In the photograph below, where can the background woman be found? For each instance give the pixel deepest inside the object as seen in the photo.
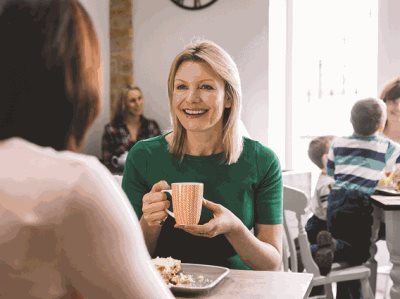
(391, 96)
(66, 227)
(128, 125)
(242, 178)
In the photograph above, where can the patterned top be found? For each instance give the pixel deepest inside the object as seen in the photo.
(116, 139)
(356, 162)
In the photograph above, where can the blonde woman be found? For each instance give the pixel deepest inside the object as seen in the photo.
(127, 126)
(242, 178)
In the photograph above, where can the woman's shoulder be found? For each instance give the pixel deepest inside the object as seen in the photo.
(148, 120)
(81, 170)
(254, 147)
(260, 156)
(46, 159)
(113, 126)
(58, 174)
(150, 145)
(71, 167)
(90, 182)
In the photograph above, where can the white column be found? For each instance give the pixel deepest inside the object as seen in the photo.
(392, 220)
(388, 42)
(377, 218)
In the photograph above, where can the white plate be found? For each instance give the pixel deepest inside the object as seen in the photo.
(386, 191)
(205, 277)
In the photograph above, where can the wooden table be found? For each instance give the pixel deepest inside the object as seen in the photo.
(257, 285)
(387, 209)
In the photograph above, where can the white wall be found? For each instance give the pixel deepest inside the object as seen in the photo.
(388, 41)
(162, 29)
(99, 12)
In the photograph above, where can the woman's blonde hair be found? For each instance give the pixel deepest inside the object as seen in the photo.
(119, 108)
(223, 65)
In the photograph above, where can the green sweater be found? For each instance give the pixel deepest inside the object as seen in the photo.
(251, 188)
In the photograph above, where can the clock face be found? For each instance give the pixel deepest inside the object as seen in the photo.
(193, 4)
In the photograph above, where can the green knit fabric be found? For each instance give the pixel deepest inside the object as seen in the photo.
(251, 188)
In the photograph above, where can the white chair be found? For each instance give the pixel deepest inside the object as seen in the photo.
(295, 200)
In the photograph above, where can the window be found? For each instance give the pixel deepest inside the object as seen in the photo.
(331, 61)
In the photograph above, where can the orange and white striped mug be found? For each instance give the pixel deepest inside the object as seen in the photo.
(187, 200)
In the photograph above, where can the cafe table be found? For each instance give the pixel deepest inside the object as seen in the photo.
(258, 284)
(387, 209)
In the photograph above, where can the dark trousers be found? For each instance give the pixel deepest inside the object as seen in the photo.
(349, 220)
(313, 226)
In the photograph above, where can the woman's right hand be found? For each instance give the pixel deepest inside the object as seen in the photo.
(155, 204)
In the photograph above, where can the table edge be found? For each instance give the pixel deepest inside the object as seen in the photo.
(384, 206)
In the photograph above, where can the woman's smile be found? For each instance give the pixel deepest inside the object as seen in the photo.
(199, 98)
(195, 113)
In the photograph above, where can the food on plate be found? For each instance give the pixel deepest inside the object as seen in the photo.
(386, 181)
(181, 278)
(397, 186)
(170, 270)
(390, 180)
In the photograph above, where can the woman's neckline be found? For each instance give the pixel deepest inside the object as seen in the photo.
(389, 133)
(194, 157)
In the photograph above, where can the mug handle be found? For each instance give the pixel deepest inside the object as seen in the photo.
(169, 191)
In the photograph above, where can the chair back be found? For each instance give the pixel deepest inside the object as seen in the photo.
(296, 201)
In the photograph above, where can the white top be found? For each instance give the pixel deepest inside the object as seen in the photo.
(66, 224)
(319, 201)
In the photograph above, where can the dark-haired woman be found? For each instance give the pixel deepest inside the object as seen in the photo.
(391, 96)
(66, 228)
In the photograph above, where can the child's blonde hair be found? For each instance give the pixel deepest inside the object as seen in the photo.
(318, 147)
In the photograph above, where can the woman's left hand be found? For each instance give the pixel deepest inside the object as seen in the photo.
(223, 222)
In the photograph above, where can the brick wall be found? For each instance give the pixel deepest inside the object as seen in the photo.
(121, 55)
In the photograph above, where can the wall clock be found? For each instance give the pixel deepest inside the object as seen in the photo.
(193, 4)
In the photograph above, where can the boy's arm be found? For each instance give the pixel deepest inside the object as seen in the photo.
(323, 192)
(393, 160)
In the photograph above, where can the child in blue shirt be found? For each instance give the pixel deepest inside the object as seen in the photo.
(356, 163)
